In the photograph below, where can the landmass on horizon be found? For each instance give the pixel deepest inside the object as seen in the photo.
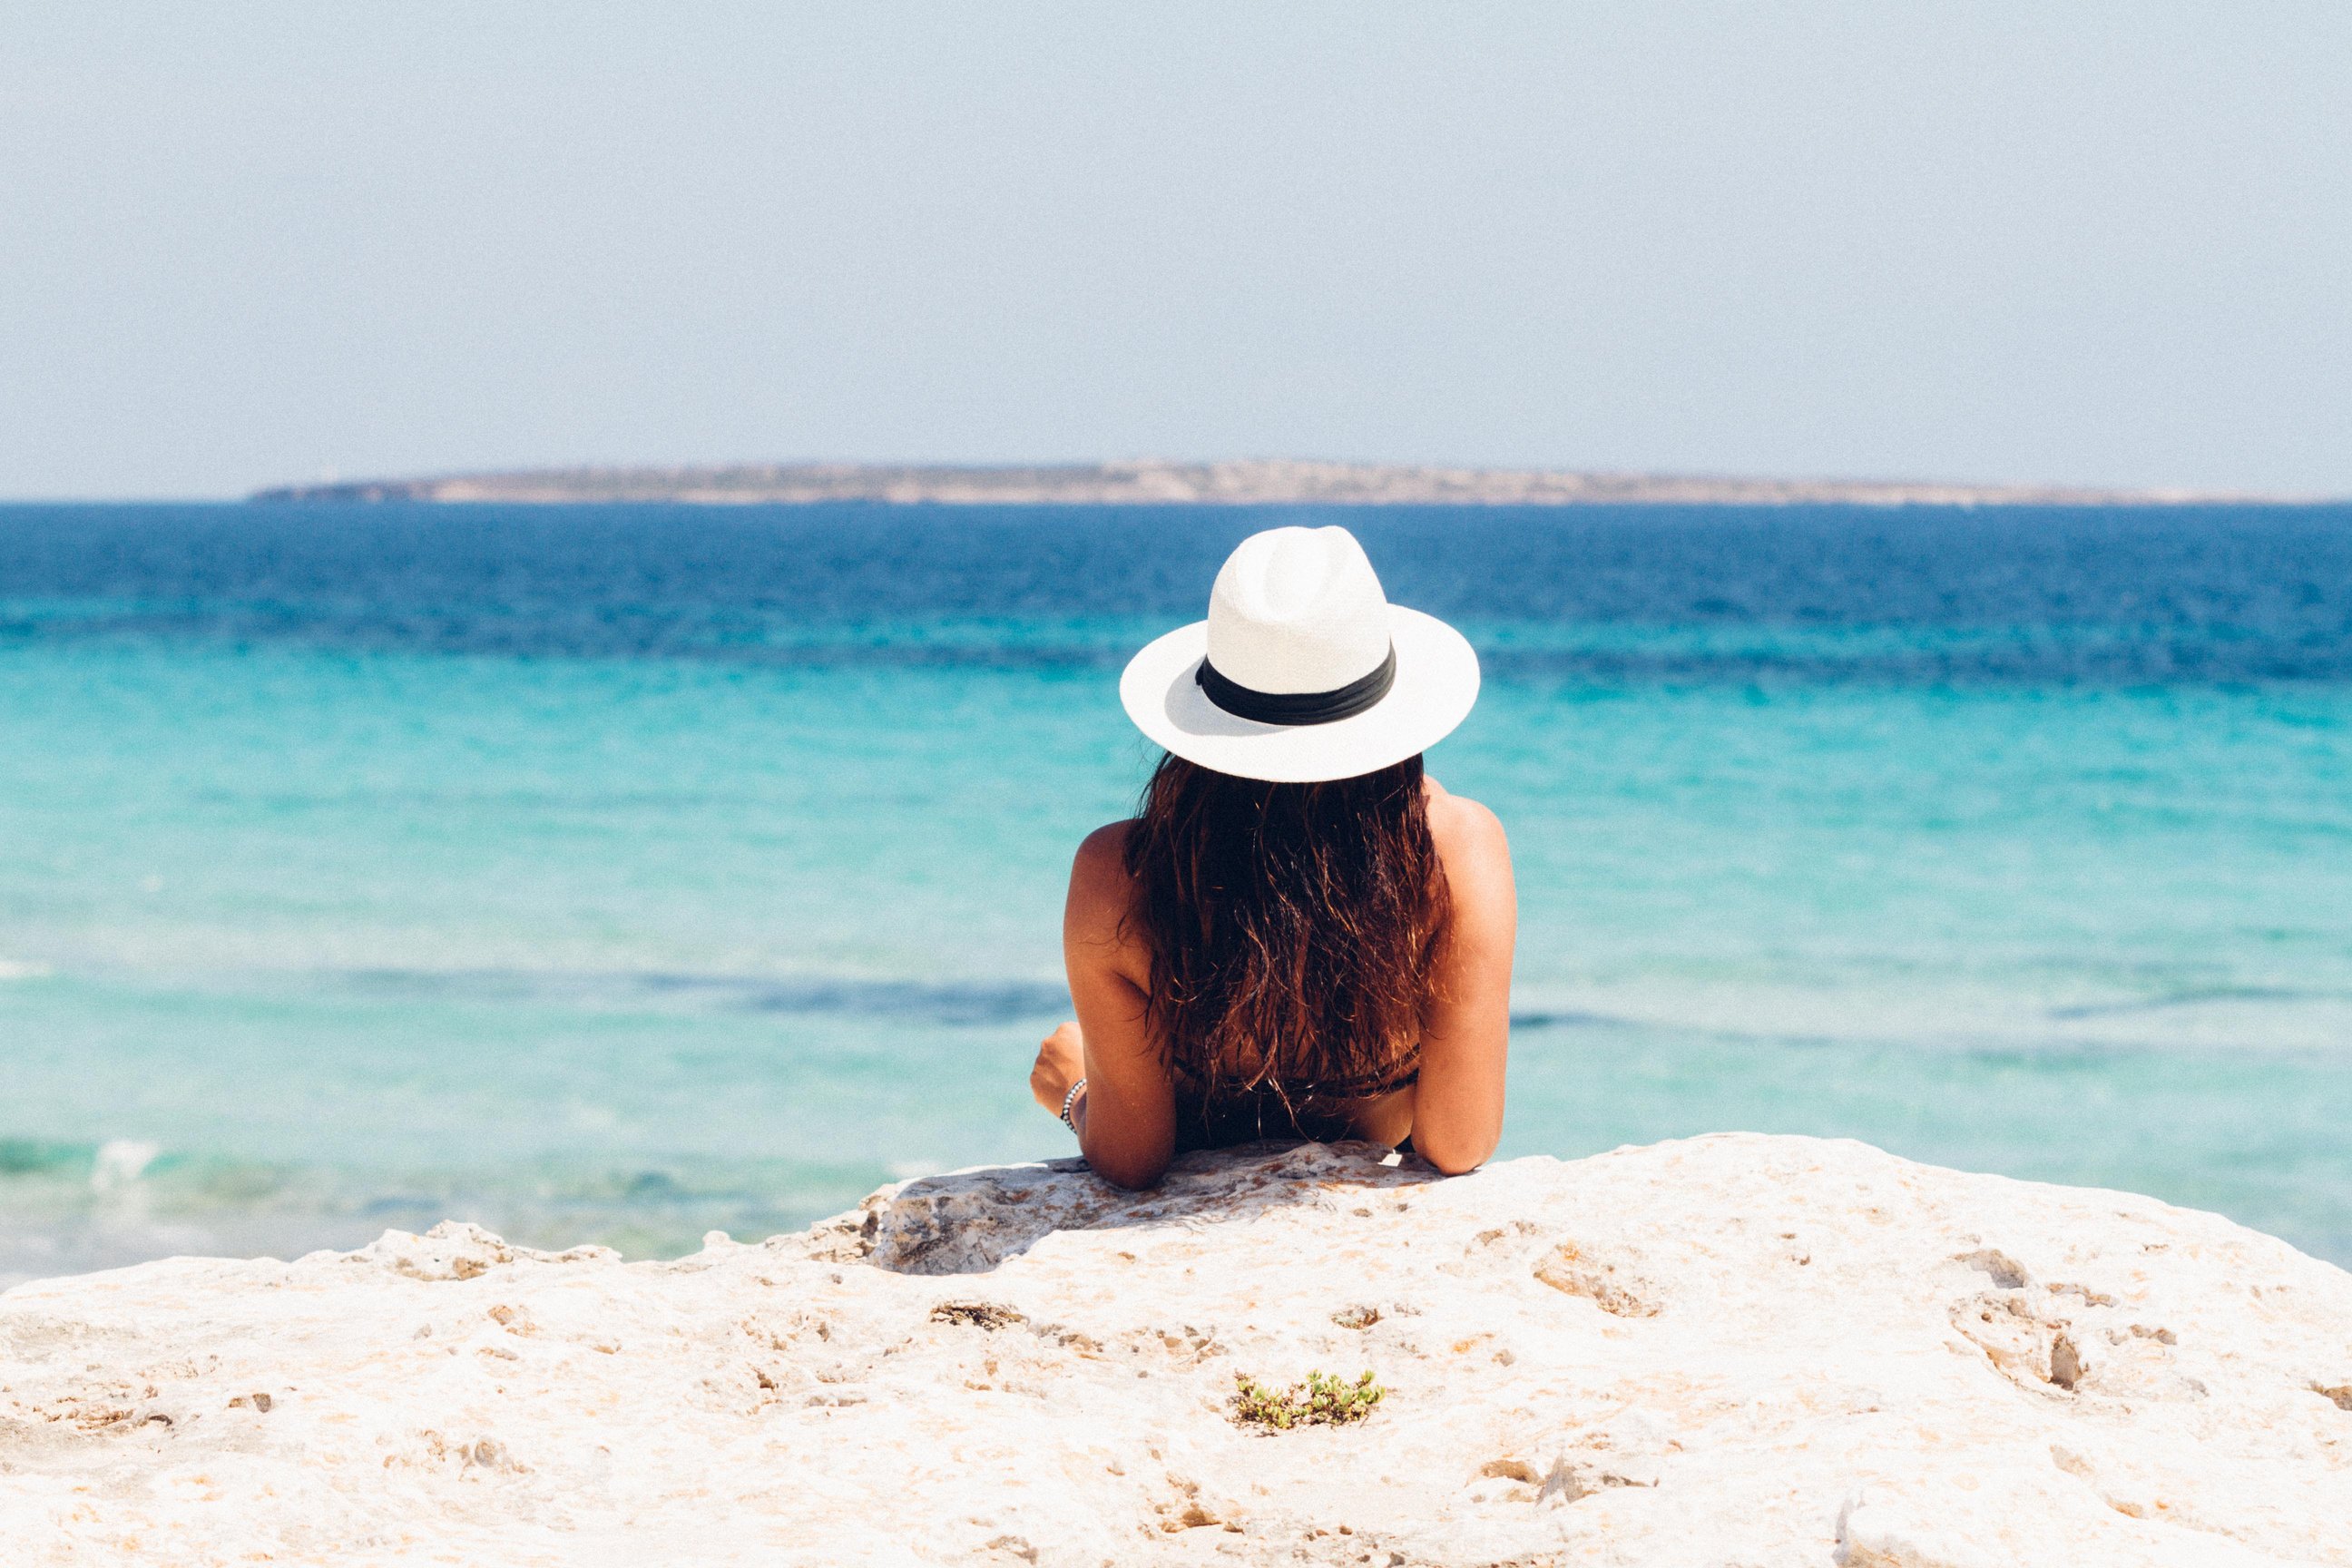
(1245, 482)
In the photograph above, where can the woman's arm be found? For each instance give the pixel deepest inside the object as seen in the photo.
(1127, 1117)
(1457, 1116)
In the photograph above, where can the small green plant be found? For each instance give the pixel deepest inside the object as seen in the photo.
(1319, 1401)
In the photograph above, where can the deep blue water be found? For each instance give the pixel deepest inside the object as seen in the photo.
(2204, 594)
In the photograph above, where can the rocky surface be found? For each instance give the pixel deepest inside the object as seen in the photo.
(1251, 482)
(1733, 1350)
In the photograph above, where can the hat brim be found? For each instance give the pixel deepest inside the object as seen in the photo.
(1436, 682)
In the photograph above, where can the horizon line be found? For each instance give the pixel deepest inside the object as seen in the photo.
(1229, 481)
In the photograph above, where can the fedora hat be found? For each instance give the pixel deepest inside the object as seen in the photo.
(1303, 670)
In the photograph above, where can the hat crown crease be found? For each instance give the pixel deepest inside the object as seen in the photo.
(1298, 610)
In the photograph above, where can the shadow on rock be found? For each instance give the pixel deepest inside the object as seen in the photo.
(968, 1222)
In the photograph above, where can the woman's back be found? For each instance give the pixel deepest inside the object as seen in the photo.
(1442, 1087)
(1292, 934)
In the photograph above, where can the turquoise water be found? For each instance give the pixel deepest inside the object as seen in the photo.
(495, 873)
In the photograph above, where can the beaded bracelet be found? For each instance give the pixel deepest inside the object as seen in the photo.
(1070, 1099)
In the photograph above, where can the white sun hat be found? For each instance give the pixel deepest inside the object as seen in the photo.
(1303, 670)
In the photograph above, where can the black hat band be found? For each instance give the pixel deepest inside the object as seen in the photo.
(1298, 707)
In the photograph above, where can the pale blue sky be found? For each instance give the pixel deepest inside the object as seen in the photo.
(2105, 243)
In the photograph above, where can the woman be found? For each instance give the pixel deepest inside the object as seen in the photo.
(1300, 935)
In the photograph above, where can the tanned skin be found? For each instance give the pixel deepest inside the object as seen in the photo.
(1127, 1114)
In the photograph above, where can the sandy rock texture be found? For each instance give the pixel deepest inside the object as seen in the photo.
(1733, 1350)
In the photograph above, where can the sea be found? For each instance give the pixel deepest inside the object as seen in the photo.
(624, 873)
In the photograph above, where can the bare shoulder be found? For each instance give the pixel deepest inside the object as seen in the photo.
(1485, 903)
(1102, 855)
(1465, 830)
(1100, 890)
(1478, 860)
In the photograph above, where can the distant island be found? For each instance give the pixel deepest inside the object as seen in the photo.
(1250, 482)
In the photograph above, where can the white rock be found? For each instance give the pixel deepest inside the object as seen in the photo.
(1731, 1350)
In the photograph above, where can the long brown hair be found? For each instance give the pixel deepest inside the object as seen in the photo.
(1294, 929)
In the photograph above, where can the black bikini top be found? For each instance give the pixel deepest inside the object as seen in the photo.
(1403, 1074)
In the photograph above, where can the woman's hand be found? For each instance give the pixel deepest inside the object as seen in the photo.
(1061, 1062)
